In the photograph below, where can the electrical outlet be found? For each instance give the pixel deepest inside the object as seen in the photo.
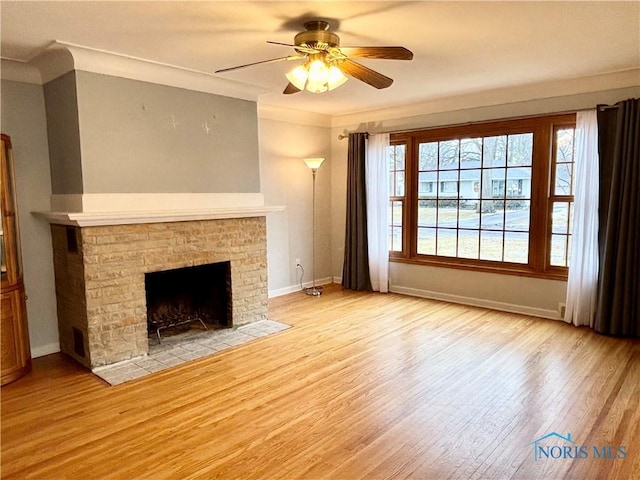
(298, 262)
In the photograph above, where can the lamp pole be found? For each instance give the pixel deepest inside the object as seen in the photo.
(314, 164)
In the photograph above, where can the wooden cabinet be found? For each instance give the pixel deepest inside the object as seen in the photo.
(15, 355)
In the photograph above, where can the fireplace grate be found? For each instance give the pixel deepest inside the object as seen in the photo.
(169, 319)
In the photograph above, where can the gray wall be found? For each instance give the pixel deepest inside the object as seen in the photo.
(286, 180)
(64, 134)
(23, 119)
(140, 137)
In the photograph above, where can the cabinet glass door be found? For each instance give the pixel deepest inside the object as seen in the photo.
(10, 264)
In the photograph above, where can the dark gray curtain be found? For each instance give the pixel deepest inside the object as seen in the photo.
(355, 270)
(618, 305)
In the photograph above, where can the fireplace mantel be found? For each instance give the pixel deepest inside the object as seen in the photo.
(93, 219)
(90, 210)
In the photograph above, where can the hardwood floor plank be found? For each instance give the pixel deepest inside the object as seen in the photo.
(363, 386)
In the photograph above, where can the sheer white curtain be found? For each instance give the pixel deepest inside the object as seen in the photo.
(583, 270)
(377, 182)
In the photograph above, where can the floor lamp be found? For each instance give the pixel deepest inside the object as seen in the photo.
(314, 165)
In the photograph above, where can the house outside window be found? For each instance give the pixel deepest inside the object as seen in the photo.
(487, 213)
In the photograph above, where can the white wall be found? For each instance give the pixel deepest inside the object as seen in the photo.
(522, 294)
(286, 180)
(23, 119)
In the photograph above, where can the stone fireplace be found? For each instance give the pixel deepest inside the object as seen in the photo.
(101, 264)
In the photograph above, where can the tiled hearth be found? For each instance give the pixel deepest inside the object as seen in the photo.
(172, 353)
(100, 278)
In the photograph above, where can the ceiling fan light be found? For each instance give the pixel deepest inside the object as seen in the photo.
(298, 77)
(318, 77)
(336, 77)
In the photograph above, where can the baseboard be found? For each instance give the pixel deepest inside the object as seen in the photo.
(296, 288)
(43, 350)
(477, 302)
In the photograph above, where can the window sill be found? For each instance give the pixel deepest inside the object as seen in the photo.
(509, 269)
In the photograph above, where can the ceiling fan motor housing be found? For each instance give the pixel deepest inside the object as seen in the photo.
(317, 33)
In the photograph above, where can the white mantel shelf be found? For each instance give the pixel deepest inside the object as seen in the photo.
(95, 219)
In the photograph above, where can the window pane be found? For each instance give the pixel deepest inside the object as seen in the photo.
(470, 183)
(427, 182)
(519, 149)
(493, 183)
(491, 246)
(426, 213)
(470, 152)
(391, 157)
(559, 250)
(399, 157)
(396, 218)
(468, 243)
(564, 172)
(447, 213)
(518, 215)
(559, 218)
(494, 151)
(469, 214)
(396, 239)
(446, 242)
(516, 247)
(400, 184)
(564, 144)
(426, 241)
(428, 156)
(449, 188)
(392, 184)
(493, 216)
(449, 155)
(518, 182)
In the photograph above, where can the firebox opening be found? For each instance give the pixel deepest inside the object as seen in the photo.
(192, 297)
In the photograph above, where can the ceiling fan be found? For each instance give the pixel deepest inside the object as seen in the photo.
(326, 63)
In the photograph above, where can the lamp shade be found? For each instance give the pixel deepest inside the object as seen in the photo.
(316, 76)
(313, 163)
(298, 77)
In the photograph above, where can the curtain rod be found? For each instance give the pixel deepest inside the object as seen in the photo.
(599, 107)
(342, 137)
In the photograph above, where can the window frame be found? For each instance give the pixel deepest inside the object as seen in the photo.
(542, 174)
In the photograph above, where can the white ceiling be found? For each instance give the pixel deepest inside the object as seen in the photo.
(459, 47)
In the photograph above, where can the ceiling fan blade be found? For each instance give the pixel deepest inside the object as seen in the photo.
(297, 47)
(365, 74)
(390, 53)
(273, 60)
(290, 88)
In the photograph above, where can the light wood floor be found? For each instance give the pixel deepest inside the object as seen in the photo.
(363, 386)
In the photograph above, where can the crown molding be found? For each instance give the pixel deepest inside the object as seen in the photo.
(496, 97)
(60, 57)
(290, 115)
(19, 71)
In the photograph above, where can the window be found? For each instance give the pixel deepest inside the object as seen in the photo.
(561, 195)
(486, 212)
(396, 155)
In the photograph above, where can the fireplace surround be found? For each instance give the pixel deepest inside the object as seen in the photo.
(100, 275)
